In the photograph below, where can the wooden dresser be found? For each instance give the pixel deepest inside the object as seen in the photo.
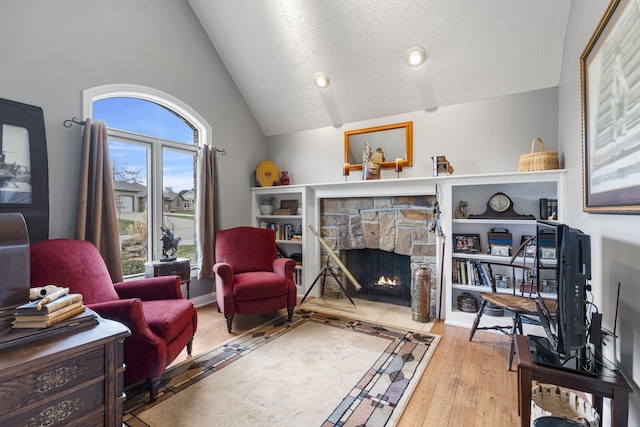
(71, 379)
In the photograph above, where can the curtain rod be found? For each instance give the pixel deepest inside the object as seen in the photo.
(70, 122)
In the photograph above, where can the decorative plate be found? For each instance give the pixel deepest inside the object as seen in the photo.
(266, 173)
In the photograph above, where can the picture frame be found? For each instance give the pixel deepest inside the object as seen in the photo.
(500, 250)
(610, 124)
(530, 246)
(24, 176)
(547, 252)
(467, 243)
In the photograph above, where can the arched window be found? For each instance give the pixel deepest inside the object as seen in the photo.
(153, 146)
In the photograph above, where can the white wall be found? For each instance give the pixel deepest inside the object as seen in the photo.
(615, 238)
(478, 137)
(50, 51)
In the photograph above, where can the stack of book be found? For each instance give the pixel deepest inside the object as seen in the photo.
(38, 315)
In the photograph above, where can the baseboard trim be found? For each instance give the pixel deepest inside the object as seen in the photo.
(202, 300)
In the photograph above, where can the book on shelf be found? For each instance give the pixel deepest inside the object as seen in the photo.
(282, 230)
(549, 209)
(19, 322)
(484, 276)
(50, 307)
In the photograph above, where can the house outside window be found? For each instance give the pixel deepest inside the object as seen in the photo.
(153, 150)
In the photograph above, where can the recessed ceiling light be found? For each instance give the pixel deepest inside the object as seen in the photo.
(322, 80)
(416, 56)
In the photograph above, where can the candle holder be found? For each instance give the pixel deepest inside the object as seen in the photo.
(399, 163)
(346, 169)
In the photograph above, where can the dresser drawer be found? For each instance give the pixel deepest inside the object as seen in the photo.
(61, 408)
(51, 380)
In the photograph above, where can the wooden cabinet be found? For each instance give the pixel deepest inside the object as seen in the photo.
(72, 379)
(287, 221)
(525, 190)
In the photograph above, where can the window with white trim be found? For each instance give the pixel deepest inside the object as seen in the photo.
(153, 150)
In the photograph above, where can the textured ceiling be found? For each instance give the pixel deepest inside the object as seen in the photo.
(476, 49)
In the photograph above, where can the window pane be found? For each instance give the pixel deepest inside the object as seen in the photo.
(143, 117)
(178, 183)
(130, 171)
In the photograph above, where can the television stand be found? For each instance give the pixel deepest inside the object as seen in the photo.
(607, 383)
(542, 353)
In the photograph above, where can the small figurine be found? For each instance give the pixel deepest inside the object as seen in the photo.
(169, 243)
(370, 168)
(461, 210)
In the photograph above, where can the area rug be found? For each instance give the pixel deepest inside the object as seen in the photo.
(318, 370)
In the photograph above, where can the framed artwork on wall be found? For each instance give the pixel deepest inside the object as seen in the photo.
(24, 176)
(611, 120)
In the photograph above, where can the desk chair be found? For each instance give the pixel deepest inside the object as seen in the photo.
(522, 306)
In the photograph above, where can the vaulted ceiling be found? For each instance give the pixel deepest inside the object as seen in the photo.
(476, 49)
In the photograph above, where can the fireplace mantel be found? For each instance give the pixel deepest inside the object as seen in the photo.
(378, 187)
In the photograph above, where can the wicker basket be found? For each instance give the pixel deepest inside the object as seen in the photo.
(540, 161)
(551, 400)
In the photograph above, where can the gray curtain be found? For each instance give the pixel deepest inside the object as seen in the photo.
(207, 210)
(97, 221)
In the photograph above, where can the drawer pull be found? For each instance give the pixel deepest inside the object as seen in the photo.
(55, 378)
(55, 414)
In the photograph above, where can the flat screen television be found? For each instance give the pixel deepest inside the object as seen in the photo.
(567, 332)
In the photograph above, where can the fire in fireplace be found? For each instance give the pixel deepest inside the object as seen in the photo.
(384, 276)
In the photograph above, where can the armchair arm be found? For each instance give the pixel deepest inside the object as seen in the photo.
(284, 267)
(224, 288)
(224, 274)
(129, 312)
(144, 347)
(153, 288)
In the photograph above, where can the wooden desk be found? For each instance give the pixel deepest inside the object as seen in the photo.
(609, 384)
(178, 267)
(75, 378)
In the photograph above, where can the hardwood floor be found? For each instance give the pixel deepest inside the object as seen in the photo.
(465, 384)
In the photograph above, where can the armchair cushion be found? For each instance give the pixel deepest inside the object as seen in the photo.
(246, 249)
(271, 285)
(69, 263)
(168, 318)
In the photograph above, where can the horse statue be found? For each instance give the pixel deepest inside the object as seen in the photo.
(169, 245)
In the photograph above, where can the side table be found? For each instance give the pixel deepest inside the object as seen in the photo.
(609, 384)
(178, 267)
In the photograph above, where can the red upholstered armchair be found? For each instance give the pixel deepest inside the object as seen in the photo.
(249, 277)
(161, 321)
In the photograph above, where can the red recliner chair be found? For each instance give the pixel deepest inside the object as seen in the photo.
(161, 321)
(250, 279)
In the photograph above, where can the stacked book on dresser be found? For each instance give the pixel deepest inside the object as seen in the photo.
(53, 308)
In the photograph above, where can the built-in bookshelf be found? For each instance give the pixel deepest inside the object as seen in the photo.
(286, 219)
(469, 270)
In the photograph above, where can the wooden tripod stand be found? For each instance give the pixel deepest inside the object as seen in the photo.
(326, 270)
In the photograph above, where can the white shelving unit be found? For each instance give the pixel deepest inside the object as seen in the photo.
(285, 226)
(525, 190)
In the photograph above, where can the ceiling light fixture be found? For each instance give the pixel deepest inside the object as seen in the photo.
(322, 80)
(416, 56)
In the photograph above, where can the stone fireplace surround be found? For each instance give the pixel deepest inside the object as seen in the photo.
(398, 224)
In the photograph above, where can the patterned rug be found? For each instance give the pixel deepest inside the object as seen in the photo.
(319, 370)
